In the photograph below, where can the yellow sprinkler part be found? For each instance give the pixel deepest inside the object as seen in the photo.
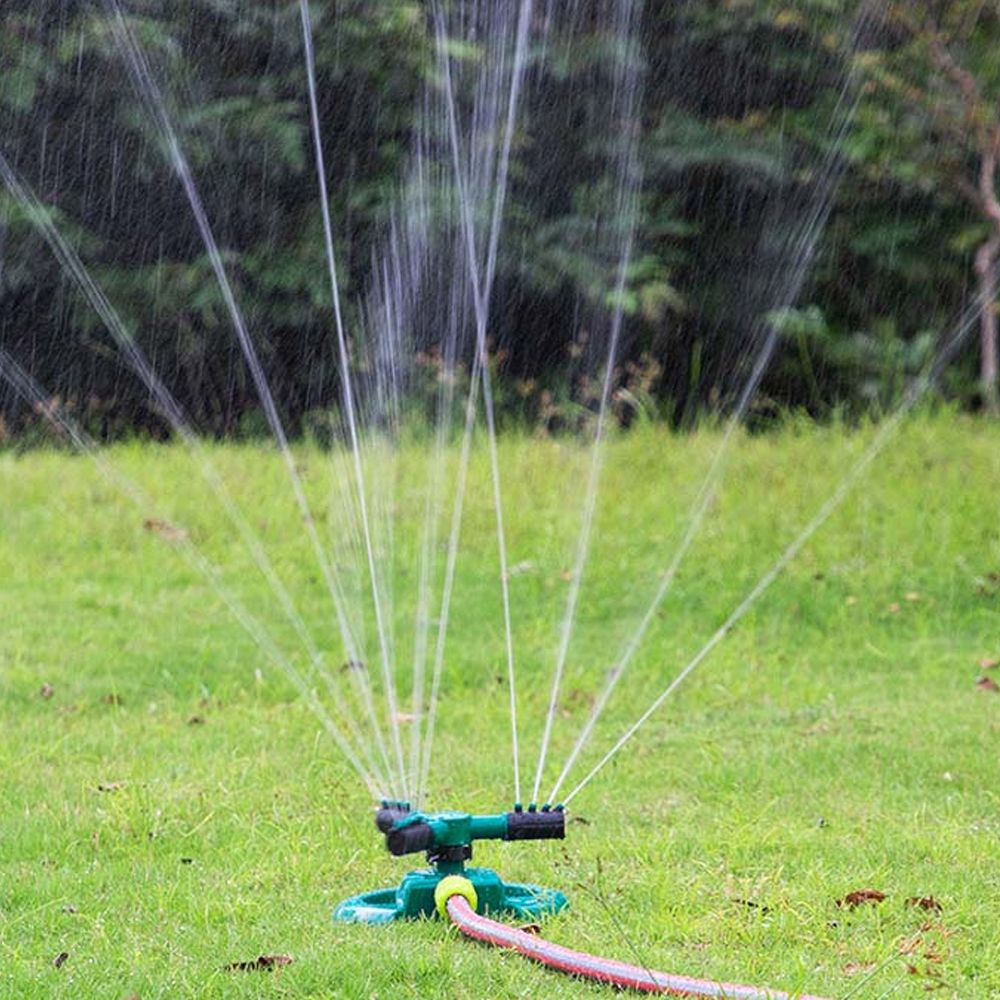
(454, 885)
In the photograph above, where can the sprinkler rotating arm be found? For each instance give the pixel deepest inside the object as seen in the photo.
(411, 832)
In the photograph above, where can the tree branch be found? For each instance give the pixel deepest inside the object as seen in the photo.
(987, 186)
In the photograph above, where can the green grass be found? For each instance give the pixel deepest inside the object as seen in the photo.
(835, 741)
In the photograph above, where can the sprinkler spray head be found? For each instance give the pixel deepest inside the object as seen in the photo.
(389, 814)
(447, 838)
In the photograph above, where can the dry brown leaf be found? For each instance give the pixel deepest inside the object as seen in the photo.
(988, 663)
(263, 963)
(852, 968)
(60, 959)
(925, 903)
(987, 684)
(861, 896)
(167, 531)
(752, 904)
(894, 608)
(47, 691)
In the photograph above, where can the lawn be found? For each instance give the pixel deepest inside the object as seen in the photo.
(172, 806)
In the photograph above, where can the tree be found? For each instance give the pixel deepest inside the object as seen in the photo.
(933, 118)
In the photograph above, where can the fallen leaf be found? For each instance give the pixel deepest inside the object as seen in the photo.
(860, 896)
(753, 905)
(929, 925)
(894, 608)
(167, 531)
(261, 963)
(925, 903)
(111, 786)
(60, 959)
(852, 968)
(47, 691)
(578, 697)
(987, 684)
(987, 663)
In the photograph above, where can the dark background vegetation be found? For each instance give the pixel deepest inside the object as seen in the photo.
(742, 136)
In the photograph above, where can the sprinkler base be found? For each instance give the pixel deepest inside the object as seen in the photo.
(414, 898)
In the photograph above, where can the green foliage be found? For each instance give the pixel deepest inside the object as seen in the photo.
(872, 367)
(741, 122)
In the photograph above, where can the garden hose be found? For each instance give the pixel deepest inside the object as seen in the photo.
(455, 898)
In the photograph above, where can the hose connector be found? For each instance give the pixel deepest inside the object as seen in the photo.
(454, 885)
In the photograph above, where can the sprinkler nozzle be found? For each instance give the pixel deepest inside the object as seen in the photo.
(409, 839)
(545, 825)
(390, 814)
(449, 835)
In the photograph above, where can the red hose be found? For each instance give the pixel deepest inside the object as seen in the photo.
(603, 970)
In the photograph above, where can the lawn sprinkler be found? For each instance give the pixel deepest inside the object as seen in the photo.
(447, 838)
(470, 898)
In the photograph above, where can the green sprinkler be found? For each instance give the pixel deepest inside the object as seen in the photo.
(447, 838)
